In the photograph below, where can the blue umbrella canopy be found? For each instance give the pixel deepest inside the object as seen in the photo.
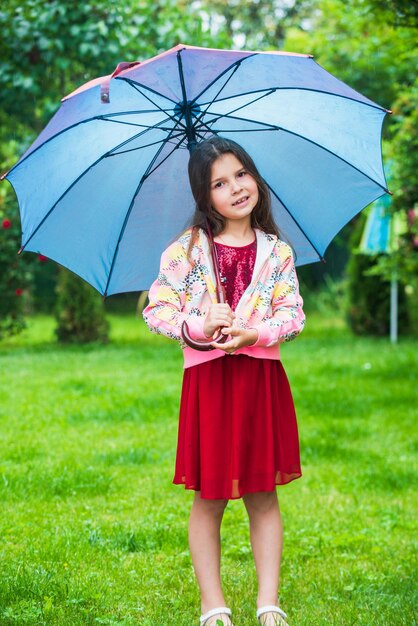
(104, 187)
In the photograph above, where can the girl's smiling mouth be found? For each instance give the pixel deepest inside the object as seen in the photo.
(241, 201)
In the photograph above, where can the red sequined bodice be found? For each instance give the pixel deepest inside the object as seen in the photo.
(236, 265)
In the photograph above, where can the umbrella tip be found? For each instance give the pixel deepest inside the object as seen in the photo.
(389, 192)
(3, 176)
(389, 111)
(20, 250)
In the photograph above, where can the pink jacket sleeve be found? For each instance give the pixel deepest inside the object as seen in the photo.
(287, 317)
(167, 296)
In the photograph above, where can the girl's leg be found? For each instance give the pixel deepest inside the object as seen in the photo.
(205, 548)
(266, 533)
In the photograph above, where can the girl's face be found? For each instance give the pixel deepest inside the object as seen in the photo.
(233, 191)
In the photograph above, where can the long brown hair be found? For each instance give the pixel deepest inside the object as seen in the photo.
(200, 167)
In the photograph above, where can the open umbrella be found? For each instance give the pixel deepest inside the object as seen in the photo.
(104, 187)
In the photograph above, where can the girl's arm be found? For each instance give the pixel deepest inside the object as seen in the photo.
(167, 296)
(287, 318)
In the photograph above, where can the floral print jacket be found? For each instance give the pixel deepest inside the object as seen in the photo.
(271, 303)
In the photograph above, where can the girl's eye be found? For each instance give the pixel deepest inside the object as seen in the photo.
(218, 184)
(242, 173)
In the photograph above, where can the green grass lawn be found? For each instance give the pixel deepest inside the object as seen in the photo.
(92, 531)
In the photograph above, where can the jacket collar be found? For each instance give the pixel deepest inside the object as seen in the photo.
(265, 245)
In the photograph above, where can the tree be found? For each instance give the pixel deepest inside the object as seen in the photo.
(360, 45)
(371, 45)
(50, 48)
(14, 277)
(79, 311)
(404, 154)
(250, 25)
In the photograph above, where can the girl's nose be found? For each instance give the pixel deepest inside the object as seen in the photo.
(235, 186)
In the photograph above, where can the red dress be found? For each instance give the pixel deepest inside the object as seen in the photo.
(237, 429)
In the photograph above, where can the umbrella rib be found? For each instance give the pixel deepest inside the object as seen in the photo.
(64, 130)
(219, 116)
(209, 85)
(205, 125)
(110, 116)
(147, 145)
(61, 132)
(238, 95)
(243, 119)
(76, 181)
(177, 145)
(273, 89)
(290, 132)
(264, 125)
(143, 132)
(137, 125)
(295, 221)
(137, 112)
(134, 85)
(122, 230)
(199, 117)
(234, 130)
(189, 128)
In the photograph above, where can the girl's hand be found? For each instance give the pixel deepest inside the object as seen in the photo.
(219, 315)
(241, 337)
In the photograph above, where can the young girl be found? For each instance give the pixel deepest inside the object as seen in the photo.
(237, 433)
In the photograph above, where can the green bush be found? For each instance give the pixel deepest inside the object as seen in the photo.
(79, 311)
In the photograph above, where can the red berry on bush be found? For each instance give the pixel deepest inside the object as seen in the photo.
(18, 292)
(42, 258)
(6, 223)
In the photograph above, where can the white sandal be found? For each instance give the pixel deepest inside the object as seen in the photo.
(271, 608)
(221, 610)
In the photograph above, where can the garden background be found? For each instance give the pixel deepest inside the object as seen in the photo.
(92, 531)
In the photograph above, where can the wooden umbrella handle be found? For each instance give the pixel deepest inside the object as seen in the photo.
(201, 344)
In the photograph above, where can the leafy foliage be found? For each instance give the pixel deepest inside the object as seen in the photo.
(372, 46)
(360, 45)
(250, 25)
(15, 277)
(397, 12)
(49, 49)
(404, 151)
(370, 276)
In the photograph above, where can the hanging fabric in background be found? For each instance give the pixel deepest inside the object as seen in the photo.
(381, 236)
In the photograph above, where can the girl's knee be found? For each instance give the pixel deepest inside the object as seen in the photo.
(261, 501)
(216, 506)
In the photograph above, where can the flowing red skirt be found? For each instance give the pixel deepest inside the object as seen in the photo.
(237, 429)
